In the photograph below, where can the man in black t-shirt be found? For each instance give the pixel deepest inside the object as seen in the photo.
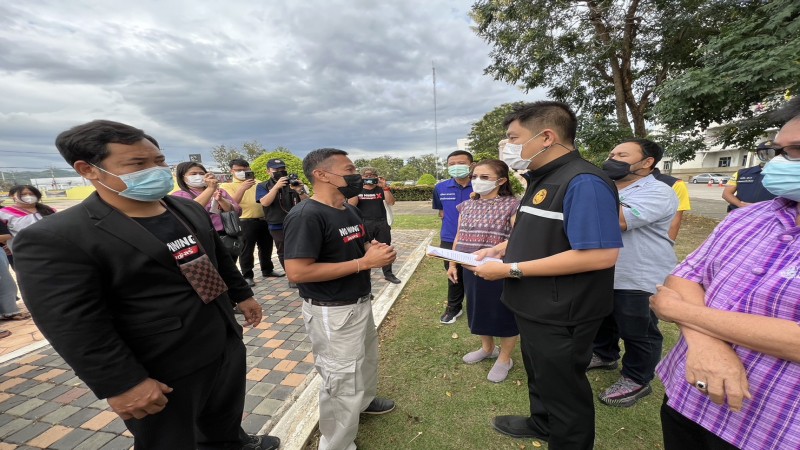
(371, 203)
(329, 256)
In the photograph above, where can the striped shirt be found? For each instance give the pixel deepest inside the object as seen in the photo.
(750, 264)
(484, 223)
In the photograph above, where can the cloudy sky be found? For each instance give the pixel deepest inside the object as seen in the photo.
(353, 74)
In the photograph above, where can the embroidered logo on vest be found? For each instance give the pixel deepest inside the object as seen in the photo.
(540, 196)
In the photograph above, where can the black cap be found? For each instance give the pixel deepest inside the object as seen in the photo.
(276, 163)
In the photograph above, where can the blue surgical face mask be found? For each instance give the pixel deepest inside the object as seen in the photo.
(782, 178)
(146, 185)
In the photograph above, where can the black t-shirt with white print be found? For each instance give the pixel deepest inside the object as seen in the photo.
(327, 235)
(170, 231)
(370, 202)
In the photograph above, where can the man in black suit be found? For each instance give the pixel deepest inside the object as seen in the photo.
(132, 288)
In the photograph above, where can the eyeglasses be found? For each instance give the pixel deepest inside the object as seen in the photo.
(771, 152)
(483, 177)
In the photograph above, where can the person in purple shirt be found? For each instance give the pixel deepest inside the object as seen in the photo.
(733, 378)
(197, 184)
(446, 196)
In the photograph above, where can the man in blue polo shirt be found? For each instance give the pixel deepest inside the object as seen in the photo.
(446, 196)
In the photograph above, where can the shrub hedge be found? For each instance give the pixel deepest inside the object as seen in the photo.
(412, 193)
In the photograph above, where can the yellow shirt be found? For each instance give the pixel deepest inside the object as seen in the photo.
(683, 196)
(251, 209)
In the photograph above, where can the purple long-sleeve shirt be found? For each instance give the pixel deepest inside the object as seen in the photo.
(750, 264)
(215, 218)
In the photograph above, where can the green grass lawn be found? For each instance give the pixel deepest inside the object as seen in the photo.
(444, 404)
(417, 222)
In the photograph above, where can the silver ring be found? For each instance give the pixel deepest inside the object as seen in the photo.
(701, 385)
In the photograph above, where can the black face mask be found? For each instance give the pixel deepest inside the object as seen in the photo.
(279, 174)
(354, 185)
(617, 170)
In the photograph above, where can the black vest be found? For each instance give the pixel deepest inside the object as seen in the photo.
(666, 179)
(283, 203)
(538, 233)
(749, 188)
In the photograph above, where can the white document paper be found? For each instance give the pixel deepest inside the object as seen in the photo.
(468, 259)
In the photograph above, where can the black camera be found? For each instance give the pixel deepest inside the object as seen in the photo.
(294, 180)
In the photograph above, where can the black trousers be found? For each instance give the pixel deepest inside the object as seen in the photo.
(681, 433)
(455, 291)
(204, 409)
(381, 232)
(637, 325)
(561, 398)
(277, 239)
(256, 234)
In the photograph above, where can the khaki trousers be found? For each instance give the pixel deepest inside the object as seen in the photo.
(345, 347)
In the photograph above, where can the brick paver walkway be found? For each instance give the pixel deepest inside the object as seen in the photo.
(44, 405)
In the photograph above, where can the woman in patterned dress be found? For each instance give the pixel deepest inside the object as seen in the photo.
(485, 221)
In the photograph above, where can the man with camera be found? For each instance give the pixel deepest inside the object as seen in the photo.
(278, 195)
(254, 227)
(371, 203)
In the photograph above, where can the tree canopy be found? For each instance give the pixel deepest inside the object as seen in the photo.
(747, 71)
(488, 131)
(602, 57)
(250, 150)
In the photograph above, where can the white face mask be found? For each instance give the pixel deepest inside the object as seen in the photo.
(195, 181)
(239, 175)
(28, 199)
(512, 154)
(483, 187)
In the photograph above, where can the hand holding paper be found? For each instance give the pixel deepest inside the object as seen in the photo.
(467, 259)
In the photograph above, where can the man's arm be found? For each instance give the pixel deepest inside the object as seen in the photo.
(307, 270)
(675, 226)
(729, 192)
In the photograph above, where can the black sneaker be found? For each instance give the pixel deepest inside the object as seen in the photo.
(520, 427)
(263, 442)
(392, 279)
(450, 316)
(379, 406)
(275, 274)
(250, 282)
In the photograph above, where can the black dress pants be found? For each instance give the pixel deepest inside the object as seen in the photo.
(455, 291)
(561, 399)
(256, 234)
(681, 433)
(380, 231)
(204, 409)
(277, 239)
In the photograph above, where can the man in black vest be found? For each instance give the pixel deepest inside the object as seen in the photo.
(559, 272)
(278, 195)
(745, 187)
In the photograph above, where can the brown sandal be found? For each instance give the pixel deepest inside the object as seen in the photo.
(17, 316)
(4, 334)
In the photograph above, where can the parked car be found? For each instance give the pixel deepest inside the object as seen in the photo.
(715, 178)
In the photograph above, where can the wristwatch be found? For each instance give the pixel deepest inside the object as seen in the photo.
(514, 272)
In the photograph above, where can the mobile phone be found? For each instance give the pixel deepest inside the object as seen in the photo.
(249, 175)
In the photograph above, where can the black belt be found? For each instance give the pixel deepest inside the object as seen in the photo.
(338, 302)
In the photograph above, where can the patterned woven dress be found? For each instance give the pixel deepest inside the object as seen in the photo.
(485, 223)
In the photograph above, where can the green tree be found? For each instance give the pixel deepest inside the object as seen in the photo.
(603, 57)
(487, 132)
(252, 150)
(744, 73)
(423, 164)
(426, 180)
(408, 172)
(223, 155)
(387, 166)
(293, 164)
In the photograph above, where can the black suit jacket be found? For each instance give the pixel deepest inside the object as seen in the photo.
(111, 300)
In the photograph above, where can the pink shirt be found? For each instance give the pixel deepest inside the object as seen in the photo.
(215, 218)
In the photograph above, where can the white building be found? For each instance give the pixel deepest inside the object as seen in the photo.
(716, 159)
(463, 144)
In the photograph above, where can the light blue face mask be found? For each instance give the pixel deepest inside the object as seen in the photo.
(458, 171)
(782, 178)
(146, 185)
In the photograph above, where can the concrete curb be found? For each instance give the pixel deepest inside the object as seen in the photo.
(300, 420)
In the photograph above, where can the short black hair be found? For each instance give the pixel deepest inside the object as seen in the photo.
(459, 153)
(316, 157)
(536, 116)
(788, 112)
(238, 162)
(180, 172)
(89, 142)
(649, 149)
